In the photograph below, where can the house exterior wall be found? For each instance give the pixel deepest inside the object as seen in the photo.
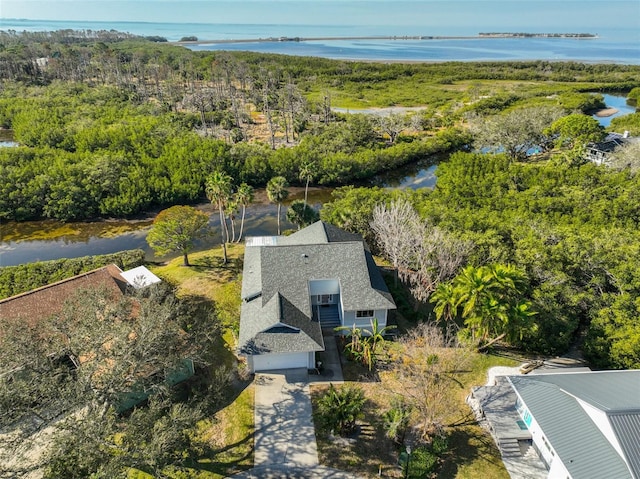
(324, 286)
(349, 319)
(601, 420)
(542, 445)
(558, 471)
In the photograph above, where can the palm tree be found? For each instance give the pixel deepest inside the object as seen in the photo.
(277, 193)
(490, 300)
(339, 409)
(508, 276)
(307, 169)
(300, 214)
(444, 299)
(218, 189)
(364, 342)
(471, 286)
(232, 209)
(244, 197)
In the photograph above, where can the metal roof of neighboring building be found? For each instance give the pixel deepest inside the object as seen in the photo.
(605, 390)
(553, 400)
(626, 426)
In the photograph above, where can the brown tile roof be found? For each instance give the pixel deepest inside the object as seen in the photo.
(43, 302)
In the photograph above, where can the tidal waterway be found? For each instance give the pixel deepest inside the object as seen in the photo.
(29, 241)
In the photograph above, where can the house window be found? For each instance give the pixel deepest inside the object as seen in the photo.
(365, 313)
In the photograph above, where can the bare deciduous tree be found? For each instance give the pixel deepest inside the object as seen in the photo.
(423, 255)
(437, 258)
(392, 125)
(515, 132)
(395, 231)
(427, 372)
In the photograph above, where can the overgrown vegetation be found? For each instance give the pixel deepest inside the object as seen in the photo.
(414, 393)
(110, 126)
(202, 428)
(572, 228)
(537, 253)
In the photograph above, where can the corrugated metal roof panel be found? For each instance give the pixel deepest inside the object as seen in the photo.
(605, 390)
(626, 426)
(582, 447)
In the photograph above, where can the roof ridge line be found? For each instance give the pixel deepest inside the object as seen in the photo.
(72, 278)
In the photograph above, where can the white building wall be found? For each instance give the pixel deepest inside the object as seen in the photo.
(324, 286)
(558, 471)
(601, 420)
(540, 441)
(349, 319)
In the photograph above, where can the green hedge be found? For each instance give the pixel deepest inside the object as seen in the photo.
(25, 277)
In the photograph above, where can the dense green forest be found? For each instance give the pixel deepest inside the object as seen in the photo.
(110, 125)
(572, 229)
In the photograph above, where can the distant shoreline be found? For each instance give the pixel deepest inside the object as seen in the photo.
(480, 36)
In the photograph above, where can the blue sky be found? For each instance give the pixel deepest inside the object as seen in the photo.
(278, 11)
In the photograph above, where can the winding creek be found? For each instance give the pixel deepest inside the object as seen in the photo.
(30, 241)
(49, 239)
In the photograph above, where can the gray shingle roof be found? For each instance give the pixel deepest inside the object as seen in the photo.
(251, 273)
(275, 287)
(552, 399)
(319, 233)
(288, 269)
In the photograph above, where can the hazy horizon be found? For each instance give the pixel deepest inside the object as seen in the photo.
(312, 12)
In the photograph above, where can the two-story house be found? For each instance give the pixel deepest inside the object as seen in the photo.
(294, 286)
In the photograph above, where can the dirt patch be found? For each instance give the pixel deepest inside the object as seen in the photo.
(605, 112)
(392, 110)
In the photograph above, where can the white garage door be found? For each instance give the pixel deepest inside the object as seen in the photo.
(264, 362)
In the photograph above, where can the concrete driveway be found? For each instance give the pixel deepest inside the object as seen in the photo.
(284, 433)
(285, 440)
(281, 471)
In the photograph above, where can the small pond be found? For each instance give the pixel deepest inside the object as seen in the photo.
(618, 103)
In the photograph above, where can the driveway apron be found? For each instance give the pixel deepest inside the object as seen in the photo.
(284, 432)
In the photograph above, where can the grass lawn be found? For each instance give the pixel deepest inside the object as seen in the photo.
(227, 437)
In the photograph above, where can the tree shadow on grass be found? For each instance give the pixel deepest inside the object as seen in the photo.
(226, 460)
(470, 444)
(205, 264)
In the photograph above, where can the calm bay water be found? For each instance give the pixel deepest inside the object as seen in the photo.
(616, 22)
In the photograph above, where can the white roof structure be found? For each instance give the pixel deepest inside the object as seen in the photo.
(140, 277)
